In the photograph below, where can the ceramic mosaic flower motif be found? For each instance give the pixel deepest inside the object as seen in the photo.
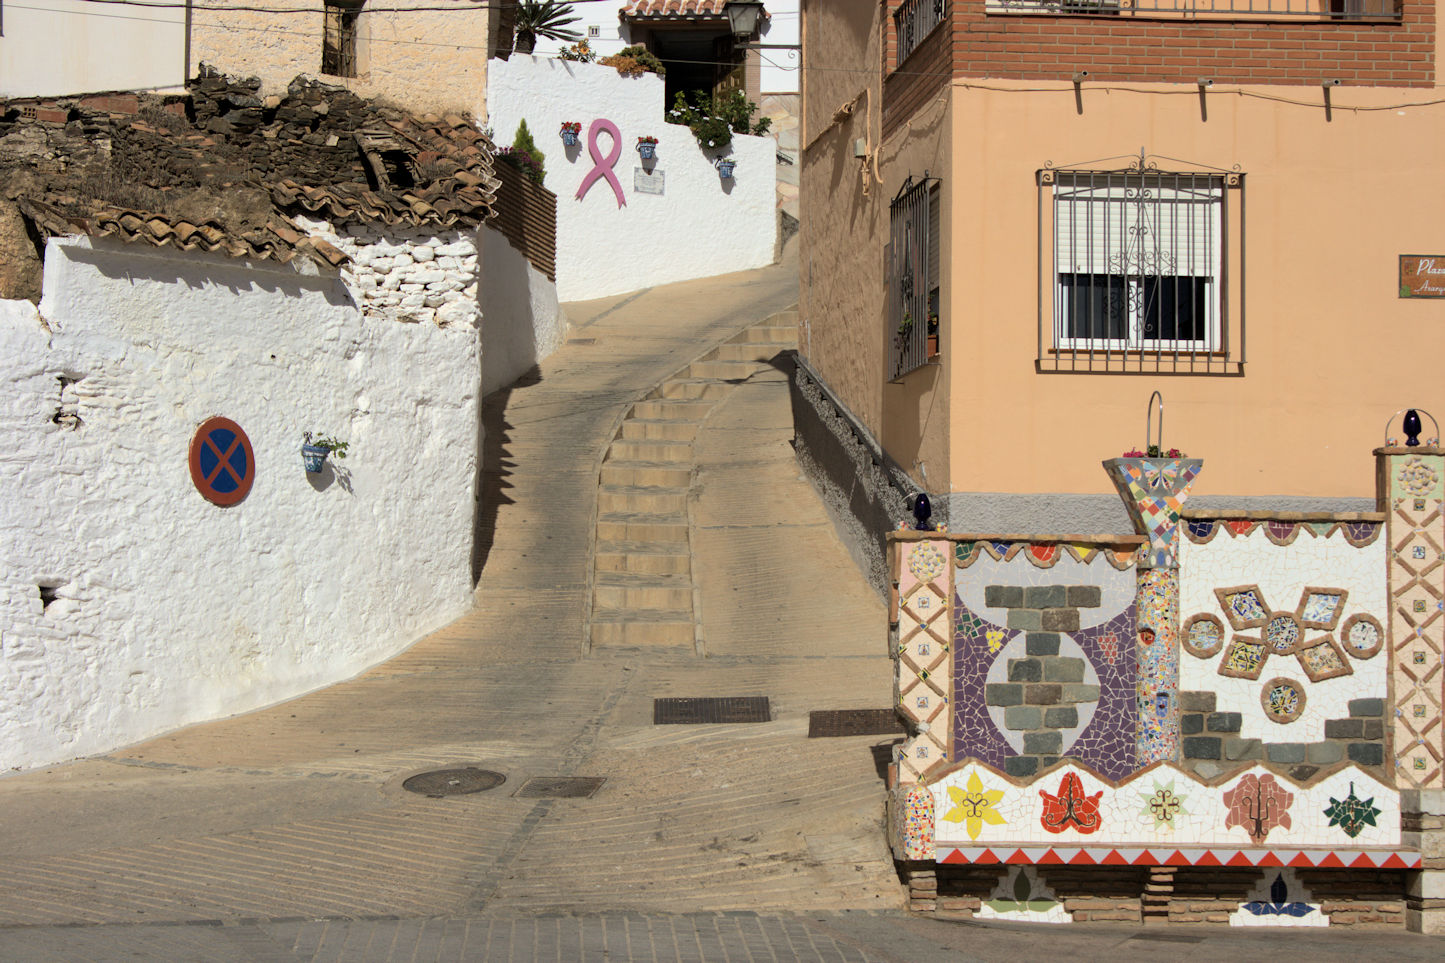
(1258, 804)
(1352, 814)
(926, 562)
(1070, 808)
(1163, 805)
(1279, 903)
(974, 806)
(1416, 477)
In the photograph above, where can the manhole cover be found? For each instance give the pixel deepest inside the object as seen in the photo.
(830, 723)
(453, 782)
(691, 712)
(560, 787)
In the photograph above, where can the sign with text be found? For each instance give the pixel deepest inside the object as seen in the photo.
(645, 181)
(1422, 275)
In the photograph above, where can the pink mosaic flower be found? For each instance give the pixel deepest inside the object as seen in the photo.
(1258, 804)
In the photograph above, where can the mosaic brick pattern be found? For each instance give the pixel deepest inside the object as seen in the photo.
(1166, 807)
(1154, 491)
(1281, 630)
(923, 570)
(1043, 658)
(1413, 481)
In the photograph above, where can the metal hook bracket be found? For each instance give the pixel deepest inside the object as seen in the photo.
(1149, 422)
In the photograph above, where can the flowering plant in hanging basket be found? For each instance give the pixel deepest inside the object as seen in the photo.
(725, 167)
(647, 146)
(571, 130)
(313, 453)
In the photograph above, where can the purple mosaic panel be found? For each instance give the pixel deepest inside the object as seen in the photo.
(1106, 744)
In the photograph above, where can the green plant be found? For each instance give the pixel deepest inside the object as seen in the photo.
(524, 155)
(579, 52)
(542, 18)
(337, 448)
(634, 61)
(714, 118)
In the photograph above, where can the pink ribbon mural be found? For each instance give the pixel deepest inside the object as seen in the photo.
(603, 166)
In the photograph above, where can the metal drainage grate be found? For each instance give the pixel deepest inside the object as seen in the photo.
(693, 712)
(453, 782)
(832, 723)
(1168, 938)
(560, 787)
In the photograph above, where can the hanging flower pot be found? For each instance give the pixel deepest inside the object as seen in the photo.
(647, 147)
(571, 132)
(315, 458)
(725, 168)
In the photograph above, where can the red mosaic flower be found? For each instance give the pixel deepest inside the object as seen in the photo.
(1258, 804)
(1070, 808)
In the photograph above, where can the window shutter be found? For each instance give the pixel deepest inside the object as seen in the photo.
(1130, 224)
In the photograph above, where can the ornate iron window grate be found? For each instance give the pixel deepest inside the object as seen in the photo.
(913, 21)
(914, 289)
(1342, 10)
(1141, 269)
(338, 42)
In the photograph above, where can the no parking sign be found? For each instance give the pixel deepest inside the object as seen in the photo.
(223, 466)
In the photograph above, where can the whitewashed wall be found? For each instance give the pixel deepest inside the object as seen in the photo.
(57, 47)
(522, 322)
(169, 609)
(701, 226)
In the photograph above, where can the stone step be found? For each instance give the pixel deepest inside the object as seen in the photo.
(648, 429)
(674, 598)
(674, 409)
(783, 337)
(645, 501)
(787, 318)
(726, 371)
(635, 528)
(754, 351)
(685, 389)
(661, 452)
(615, 628)
(643, 563)
(646, 474)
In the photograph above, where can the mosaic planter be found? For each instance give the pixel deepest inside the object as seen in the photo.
(725, 169)
(1154, 491)
(569, 138)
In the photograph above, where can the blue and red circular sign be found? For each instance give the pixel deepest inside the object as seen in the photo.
(223, 466)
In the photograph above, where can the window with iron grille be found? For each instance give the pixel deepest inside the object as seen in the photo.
(338, 42)
(1138, 266)
(914, 20)
(914, 274)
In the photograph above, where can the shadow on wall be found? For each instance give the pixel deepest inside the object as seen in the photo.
(522, 322)
(495, 468)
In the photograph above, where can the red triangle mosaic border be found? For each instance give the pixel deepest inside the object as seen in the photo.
(1242, 858)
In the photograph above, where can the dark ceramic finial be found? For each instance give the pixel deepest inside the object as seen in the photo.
(922, 512)
(1412, 427)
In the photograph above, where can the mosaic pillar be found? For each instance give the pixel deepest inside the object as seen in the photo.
(1410, 489)
(923, 571)
(1154, 491)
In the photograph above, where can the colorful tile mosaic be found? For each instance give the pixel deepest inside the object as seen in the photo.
(1279, 899)
(1154, 491)
(1416, 621)
(1330, 585)
(1333, 857)
(916, 831)
(1156, 684)
(1166, 806)
(924, 654)
(1359, 534)
(1284, 700)
(1021, 897)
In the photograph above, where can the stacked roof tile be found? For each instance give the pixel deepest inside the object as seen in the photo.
(224, 170)
(674, 8)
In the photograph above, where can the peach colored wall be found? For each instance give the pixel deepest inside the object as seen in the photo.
(1332, 351)
(428, 61)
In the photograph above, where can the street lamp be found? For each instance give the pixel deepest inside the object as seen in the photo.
(743, 16)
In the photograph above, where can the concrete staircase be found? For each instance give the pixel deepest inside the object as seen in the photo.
(642, 581)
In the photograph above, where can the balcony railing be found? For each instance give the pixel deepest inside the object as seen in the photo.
(1337, 10)
(913, 21)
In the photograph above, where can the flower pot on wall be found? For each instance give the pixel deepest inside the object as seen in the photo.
(647, 151)
(569, 138)
(314, 456)
(725, 169)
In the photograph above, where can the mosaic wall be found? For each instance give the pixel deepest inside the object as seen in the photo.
(1282, 642)
(1413, 493)
(1165, 815)
(923, 573)
(1044, 655)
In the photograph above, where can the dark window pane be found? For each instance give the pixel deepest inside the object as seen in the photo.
(1175, 308)
(1094, 305)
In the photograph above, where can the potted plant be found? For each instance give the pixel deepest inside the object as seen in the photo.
(571, 131)
(647, 146)
(933, 334)
(905, 328)
(725, 167)
(542, 18)
(314, 453)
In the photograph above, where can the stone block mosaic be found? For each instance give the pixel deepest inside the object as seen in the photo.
(1044, 662)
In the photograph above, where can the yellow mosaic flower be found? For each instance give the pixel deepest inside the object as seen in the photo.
(974, 806)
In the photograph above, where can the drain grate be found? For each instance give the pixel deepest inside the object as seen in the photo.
(693, 712)
(583, 341)
(1167, 938)
(560, 787)
(833, 723)
(453, 782)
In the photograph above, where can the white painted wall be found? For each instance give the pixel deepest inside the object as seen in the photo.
(171, 610)
(58, 47)
(700, 227)
(779, 73)
(522, 322)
